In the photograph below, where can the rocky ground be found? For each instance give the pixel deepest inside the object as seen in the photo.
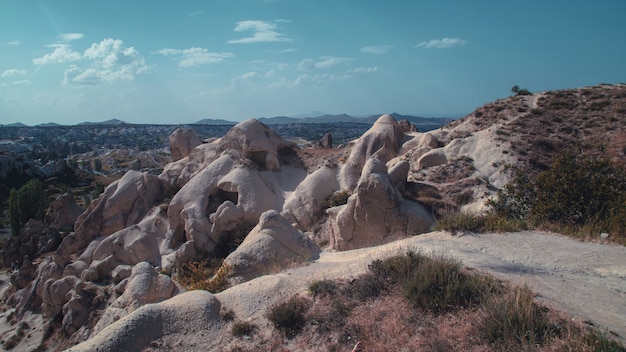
(280, 216)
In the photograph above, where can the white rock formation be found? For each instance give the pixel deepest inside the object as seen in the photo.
(382, 141)
(182, 141)
(376, 212)
(272, 245)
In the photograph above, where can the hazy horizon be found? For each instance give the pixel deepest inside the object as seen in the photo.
(166, 63)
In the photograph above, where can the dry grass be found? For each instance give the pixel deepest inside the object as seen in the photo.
(339, 314)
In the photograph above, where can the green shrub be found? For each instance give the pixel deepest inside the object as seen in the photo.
(439, 285)
(243, 328)
(514, 319)
(576, 192)
(289, 316)
(435, 283)
(29, 202)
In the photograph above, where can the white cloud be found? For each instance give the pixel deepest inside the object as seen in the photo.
(324, 63)
(196, 13)
(263, 32)
(62, 53)
(443, 43)
(376, 49)
(195, 56)
(21, 82)
(68, 37)
(111, 61)
(14, 43)
(363, 70)
(13, 72)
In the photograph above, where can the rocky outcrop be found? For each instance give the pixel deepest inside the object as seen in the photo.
(376, 213)
(272, 245)
(382, 141)
(182, 142)
(107, 269)
(63, 213)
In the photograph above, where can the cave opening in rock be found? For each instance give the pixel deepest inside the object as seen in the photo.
(258, 157)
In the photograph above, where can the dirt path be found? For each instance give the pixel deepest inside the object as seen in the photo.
(587, 280)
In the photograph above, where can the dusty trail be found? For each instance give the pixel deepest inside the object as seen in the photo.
(587, 280)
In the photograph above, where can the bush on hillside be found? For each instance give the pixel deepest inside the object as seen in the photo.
(575, 192)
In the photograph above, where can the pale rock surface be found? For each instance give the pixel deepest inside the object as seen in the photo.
(196, 313)
(124, 203)
(63, 213)
(382, 141)
(145, 285)
(273, 244)
(182, 142)
(376, 212)
(305, 204)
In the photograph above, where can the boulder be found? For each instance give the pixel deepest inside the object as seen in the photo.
(326, 142)
(182, 142)
(63, 213)
(196, 312)
(376, 213)
(304, 205)
(273, 244)
(144, 285)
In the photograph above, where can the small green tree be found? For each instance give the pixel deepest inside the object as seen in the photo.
(97, 165)
(520, 91)
(29, 202)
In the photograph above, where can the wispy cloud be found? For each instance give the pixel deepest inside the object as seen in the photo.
(443, 43)
(13, 72)
(376, 49)
(363, 70)
(196, 13)
(21, 82)
(68, 37)
(110, 61)
(13, 43)
(195, 56)
(324, 62)
(62, 53)
(263, 31)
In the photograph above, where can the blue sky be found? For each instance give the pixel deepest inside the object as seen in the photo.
(156, 61)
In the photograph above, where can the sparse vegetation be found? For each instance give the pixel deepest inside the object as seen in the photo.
(336, 199)
(411, 305)
(288, 316)
(579, 194)
(514, 319)
(520, 91)
(210, 275)
(243, 329)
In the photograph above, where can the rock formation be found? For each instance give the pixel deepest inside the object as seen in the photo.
(272, 244)
(107, 268)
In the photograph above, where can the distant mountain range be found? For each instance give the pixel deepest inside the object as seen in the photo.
(416, 120)
(278, 120)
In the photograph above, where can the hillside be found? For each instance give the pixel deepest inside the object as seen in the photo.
(261, 217)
